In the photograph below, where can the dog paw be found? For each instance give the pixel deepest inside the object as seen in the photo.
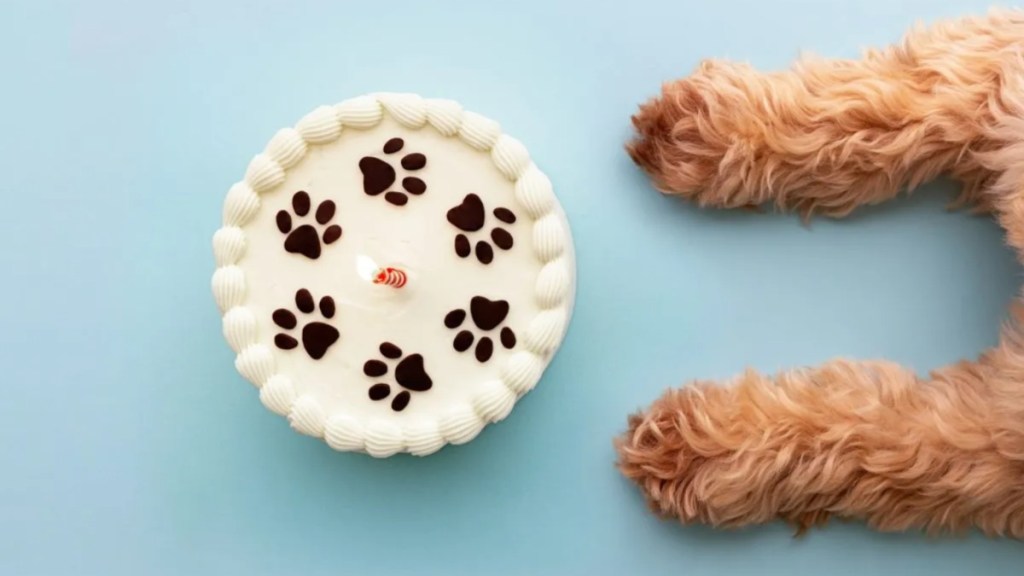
(684, 136)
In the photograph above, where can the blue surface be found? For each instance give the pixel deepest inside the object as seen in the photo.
(128, 443)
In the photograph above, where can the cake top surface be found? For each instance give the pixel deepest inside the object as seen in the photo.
(394, 274)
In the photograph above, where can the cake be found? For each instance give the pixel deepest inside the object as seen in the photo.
(393, 273)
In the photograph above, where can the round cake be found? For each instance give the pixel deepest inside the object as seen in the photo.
(394, 273)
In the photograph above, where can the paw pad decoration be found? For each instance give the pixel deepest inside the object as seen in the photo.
(379, 175)
(381, 340)
(469, 216)
(317, 336)
(409, 374)
(306, 238)
(486, 315)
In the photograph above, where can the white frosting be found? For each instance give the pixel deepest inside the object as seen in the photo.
(461, 424)
(240, 205)
(228, 245)
(239, 328)
(383, 438)
(545, 331)
(319, 126)
(494, 401)
(534, 192)
(264, 174)
(553, 284)
(445, 116)
(287, 147)
(408, 109)
(479, 132)
(362, 112)
(549, 237)
(307, 416)
(325, 393)
(256, 363)
(228, 287)
(522, 372)
(423, 437)
(278, 394)
(510, 156)
(345, 434)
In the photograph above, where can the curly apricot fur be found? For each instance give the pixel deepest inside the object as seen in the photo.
(866, 440)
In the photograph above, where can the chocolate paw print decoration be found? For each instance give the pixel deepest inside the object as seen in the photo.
(486, 315)
(409, 374)
(469, 217)
(317, 336)
(306, 239)
(380, 175)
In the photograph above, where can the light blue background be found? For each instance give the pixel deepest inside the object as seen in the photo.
(128, 443)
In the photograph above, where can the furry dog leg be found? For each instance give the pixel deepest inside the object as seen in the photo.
(830, 135)
(864, 440)
(857, 440)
